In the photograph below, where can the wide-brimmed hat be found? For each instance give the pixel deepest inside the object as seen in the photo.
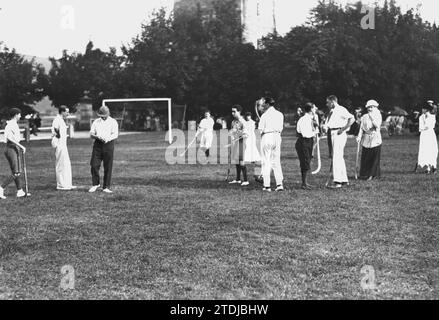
(372, 103)
(103, 111)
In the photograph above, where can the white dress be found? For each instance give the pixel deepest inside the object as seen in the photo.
(206, 125)
(251, 153)
(428, 148)
(63, 166)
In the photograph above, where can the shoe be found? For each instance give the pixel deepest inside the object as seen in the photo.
(93, 189)
(336, 186)
(266, 189)
(259, 179)
(73, 188)
(235, 182)
(305, 187)
(106, 190)
(280, 188)
(21, 194)
(245, 183)
(2, 193)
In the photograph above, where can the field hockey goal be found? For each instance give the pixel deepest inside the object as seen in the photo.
(147, 114)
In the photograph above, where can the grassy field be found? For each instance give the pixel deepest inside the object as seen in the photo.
(181, 232)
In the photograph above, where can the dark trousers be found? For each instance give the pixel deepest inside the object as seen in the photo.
(304, 148)
(102, 153)
(13, 156)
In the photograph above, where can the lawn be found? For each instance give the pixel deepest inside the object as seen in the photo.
(181, 232)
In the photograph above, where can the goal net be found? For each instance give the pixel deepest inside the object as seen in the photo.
(146, 114)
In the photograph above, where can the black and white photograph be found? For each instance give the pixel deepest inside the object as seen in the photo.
(219, 150)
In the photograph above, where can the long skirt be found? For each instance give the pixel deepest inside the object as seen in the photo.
(428, 149)
(63, 168)
(370, 162)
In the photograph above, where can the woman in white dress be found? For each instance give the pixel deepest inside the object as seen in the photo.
(59, 142)
(251, 153)
(428, 149)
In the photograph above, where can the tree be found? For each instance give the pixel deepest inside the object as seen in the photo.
(95, 71)
(20, 81)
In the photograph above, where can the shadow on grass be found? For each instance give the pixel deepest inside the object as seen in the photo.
(192, 183)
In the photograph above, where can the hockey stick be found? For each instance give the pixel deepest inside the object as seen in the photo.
(416, 168)
(229, 160)
(190, 144)
(330, 174)
(319, 159)
(25, 174)
(357, 160)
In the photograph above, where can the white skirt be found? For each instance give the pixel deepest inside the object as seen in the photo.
(63, 167)
(428, 149)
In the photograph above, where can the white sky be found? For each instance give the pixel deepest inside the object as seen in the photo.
(41, 27)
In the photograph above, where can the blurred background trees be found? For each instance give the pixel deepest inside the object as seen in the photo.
(198, 58)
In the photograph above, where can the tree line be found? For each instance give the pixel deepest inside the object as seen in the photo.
(198, 58)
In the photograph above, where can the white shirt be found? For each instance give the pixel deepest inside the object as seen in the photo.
(338, 118)
(427, 122)
(271, 121)
(12, 131)
(60, 125)
(105, 129)
(206, 125)
(305, 126)
(370, 129)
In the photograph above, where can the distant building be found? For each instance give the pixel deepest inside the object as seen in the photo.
(257, 16)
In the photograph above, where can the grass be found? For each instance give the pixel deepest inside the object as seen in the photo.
(180, 232)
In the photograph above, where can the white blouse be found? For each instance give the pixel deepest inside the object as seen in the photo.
(370, 129)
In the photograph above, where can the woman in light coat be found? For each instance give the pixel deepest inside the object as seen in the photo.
(59, 142)
(370, 139)
(428, 149)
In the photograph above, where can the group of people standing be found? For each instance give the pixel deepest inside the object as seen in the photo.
(104, 131)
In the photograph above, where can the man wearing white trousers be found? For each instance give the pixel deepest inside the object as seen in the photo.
(59, 142)
(271, 127)
(337, 124)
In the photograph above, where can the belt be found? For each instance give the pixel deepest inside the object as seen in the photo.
(270, 132)
(333, 129)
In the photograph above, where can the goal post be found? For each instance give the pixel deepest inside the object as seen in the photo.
(167, 100)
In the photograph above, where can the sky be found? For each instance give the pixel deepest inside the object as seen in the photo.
(44, 28)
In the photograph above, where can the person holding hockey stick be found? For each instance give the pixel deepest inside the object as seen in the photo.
(370, 140)
(12, 153)
(307, 128)
(237, 148)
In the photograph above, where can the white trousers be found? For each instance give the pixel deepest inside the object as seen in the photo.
(63, 167)
(338, 164)
(271, 149)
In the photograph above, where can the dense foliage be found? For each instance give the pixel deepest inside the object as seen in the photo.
(198, 58)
